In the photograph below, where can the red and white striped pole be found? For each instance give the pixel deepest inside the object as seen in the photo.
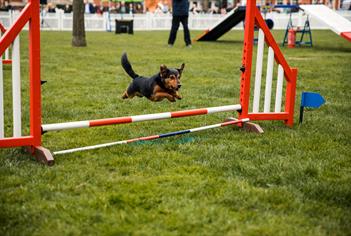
(152, 137)
(138, 118)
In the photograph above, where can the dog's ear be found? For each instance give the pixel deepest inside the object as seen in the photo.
(180, 70)
(163, 71)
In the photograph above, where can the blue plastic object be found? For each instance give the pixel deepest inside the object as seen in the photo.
(309, 99)
(314, 100)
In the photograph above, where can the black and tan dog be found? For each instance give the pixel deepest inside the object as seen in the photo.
(165, 84)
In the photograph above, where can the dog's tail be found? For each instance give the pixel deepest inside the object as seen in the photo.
(127, 66)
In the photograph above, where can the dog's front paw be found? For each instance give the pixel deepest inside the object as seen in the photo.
(177, 95)
(171, 99)
(125, 95)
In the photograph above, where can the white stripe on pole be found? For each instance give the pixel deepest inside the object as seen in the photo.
(16, 88)
(89, 147)
(258, 76)
(269, 77)
(67, 125)
(157, 116)
(223, 108)
(204, 128)
(7, 54)
(278, 94)
(214, 126)
(2, 131)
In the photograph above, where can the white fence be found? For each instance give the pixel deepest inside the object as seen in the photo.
(60, 21)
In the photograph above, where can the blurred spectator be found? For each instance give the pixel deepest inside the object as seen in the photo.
(115, 7)
(123, 9)
(213, 9)
(89, 8)
(5, 6)
(105, 8)
(50, 8)
(131, 10)
(223, 11)
(139, 8)
(162, 6)
(67, 8)
(195, 8)
(97, 9)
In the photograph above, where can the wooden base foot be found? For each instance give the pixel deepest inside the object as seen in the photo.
(42, 155)
(250, 127)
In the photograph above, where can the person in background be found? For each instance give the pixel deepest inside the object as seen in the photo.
(139, 8)
(51, 8)
(213, 9)
(98, 9)
(88, 7)
(131, 10)
(180, 13)
(123, 8)
(67, 9)
(5, 6)
(162, 7)
(195, 9)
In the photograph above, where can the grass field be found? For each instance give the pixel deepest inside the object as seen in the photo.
(219, 182)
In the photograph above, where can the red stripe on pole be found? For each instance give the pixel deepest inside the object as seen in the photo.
(346, 35)
(7, 61)
(231, 123)
(189, 113)
(150, 137)
(111, 121)
(143, 138)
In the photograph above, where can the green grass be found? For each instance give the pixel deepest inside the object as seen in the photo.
(218, 182)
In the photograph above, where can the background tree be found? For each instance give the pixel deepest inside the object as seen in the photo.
(78, 32)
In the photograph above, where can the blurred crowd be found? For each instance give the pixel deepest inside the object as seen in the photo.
(162, 7)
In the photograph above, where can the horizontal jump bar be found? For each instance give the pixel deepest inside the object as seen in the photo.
(138, 118)
(152, 137)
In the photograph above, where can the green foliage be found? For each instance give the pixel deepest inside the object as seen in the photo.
(219, 182)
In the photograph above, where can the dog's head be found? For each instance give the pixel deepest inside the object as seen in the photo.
(171, 77)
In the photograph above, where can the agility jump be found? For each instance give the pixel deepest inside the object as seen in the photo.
(285, 79)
